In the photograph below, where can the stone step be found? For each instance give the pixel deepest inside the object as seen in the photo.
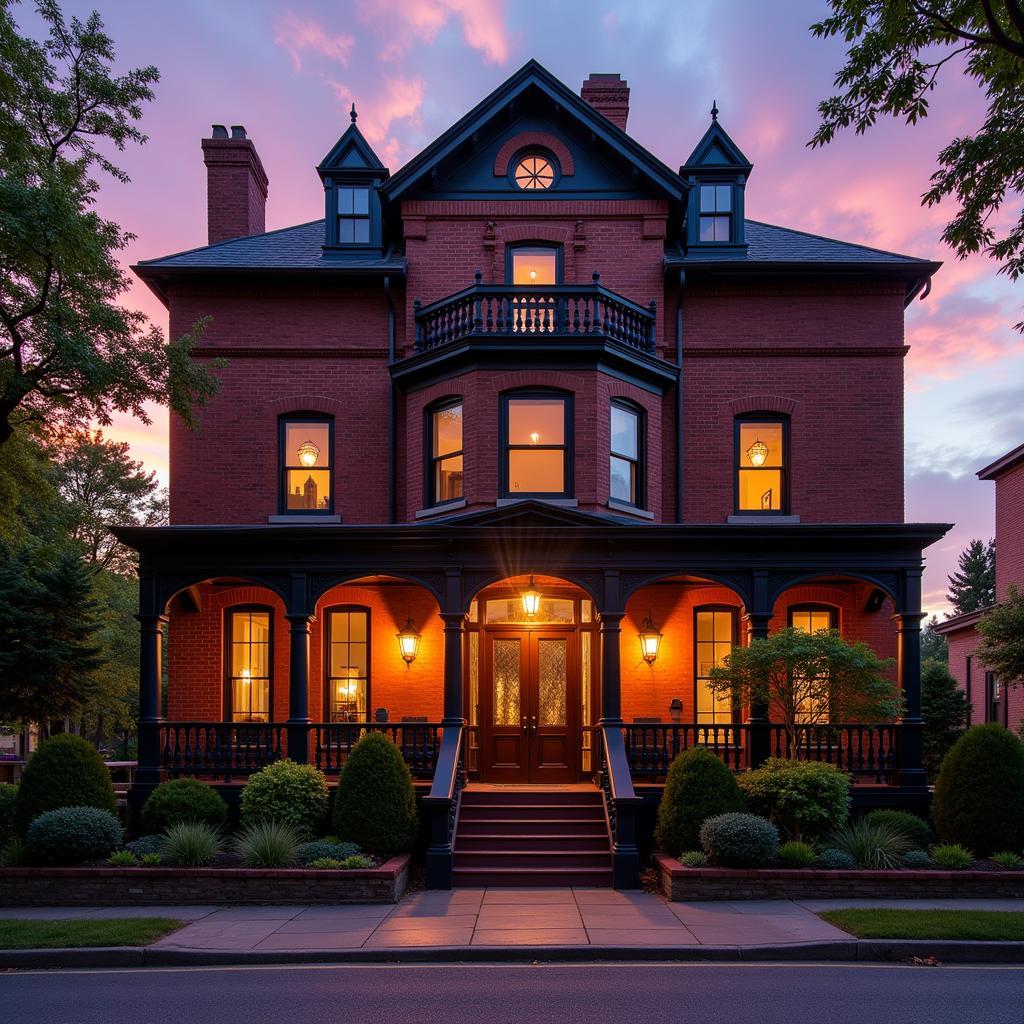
(519, 860)
(531, 878)
(482, 842)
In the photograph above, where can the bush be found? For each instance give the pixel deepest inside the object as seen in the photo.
(375, 806)
(739, 840)
(870, 845)
(150, 860)
(123, 859)
(267, 844)
(795, 854)
(945, 711)
(836, 860)
(183, 800)
(14, 854)
(190, 844)
(952, 857)
(1008, 860)
(917, 859)
(325, 863)
(70, 835)
(145, 844)
(356, 861)
(693, 859)
(8, 799)
(979, 794)
(914, 828)
(65, 771)
(698, 786)
(309, 852)
(288, 793)
(805, 799)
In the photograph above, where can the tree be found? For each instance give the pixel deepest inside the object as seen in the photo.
(945, 711)
(1002, 638)
(809, 679)
(973, 586)
(896, 52)
(933, 645)
(69, 353)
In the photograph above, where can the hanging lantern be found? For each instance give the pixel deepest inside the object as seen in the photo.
(757, 453)
(308, 454)
(650, 640)
(531, 599)
(408, 641)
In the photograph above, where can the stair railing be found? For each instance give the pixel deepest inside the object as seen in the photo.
(621, 803)
(442, 806)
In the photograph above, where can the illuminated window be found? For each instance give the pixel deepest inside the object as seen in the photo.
(626, 459)
(761, 453)
(306, 446)
(347, 648)
(535, 171)
(715, 213)
(812, 703)
(249, 660)
(445, 459)
(353, 215)
(532, 266)
(715, 635)
(536, 460)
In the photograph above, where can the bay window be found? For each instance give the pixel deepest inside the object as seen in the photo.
(626, 461)
(536, 445)
(445, 453)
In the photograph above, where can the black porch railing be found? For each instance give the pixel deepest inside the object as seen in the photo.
(419, 743)
(555, 311)
(652, 748)
(223, 749)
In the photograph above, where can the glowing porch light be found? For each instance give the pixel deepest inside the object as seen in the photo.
(408, 641)
(531, 599)
(650, 640)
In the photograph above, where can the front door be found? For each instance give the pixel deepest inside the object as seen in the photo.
(529, 704)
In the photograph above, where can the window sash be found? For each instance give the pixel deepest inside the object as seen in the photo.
(513, 467)
(445, 481)
(347, 671)
(761, 489)
(249, 643)
(714, 637)
(306, 489)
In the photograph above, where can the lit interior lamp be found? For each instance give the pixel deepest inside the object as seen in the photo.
(308, 454)
(757, 453)
(535, 438)
(531, 599)
(408, 641)
(533, 273)
(650, 640)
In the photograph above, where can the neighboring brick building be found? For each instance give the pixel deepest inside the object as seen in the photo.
(535, 354)
(990, 700)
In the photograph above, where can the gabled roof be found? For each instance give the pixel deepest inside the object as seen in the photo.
(532, 515)
(533, 75)
(716, 150)
(352, 153)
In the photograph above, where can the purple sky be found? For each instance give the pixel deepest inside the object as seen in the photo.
(289, 72)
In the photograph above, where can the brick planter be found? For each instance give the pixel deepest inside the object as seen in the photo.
(680, 883)
(114, 887)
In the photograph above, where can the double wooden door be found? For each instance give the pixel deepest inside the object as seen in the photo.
(529, 707)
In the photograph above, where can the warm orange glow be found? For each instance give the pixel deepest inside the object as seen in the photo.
(308, 454)
(408, 641)
(761, 467)
(531, 599)
(650, 640)
(534, 172)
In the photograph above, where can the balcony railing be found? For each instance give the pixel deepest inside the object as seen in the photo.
(549, 311)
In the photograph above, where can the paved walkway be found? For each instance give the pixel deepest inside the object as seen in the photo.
(501, 917)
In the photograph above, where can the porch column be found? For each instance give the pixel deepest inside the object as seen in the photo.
(453, 710)
(759, 745)
(150, 685)
(908, 663)
(611, 678)
(298, 688)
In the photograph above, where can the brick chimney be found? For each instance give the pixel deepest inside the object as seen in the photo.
(236, 185)
(609, 95)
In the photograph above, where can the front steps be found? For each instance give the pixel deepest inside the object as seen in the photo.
(532, 837)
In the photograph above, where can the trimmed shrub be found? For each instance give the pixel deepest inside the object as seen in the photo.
(325, 863)
(693, 859)
(183, 800)
(795, 854)
(190, 844)
(698, 786)
(805, 800)
(65, 771)
(8, 800)
(914, 828)
(375, 806)
(320, 848)
(123, 859)
(1009, 860)
(836, 860)
(952, 857)
(917, 859)
(288, 793)
(267, 844)
(150, 860)
(737, 840)
(979, 794)
(870, 845)
(145, 844)
(70, 835)
(356, 861)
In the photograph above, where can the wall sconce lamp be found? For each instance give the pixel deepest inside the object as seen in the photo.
(531, 599)
(650, 640)
(408, 641)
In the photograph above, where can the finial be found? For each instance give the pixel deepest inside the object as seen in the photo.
(354, 115)
(714, 110)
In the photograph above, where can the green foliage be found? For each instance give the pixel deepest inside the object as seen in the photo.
(914, 828)
(145, 844)
(8, 800)
(805, 799)
(1009, 860)
(353, 862)
(973, 586)
(698, 786)
(836, 860)
(945, 710)
(65, 771)
(375, 806)
(317, 850)
(190, 844)
(183, 800)
(809, 678)
(1002, 638)
(933, 645)
(356, 862)
(288, 793)
(952, 857)
(795, 854)
(979, 794)
(73, 834)
(325, 863)
(14, 854)
(917, 860)
(150, 860)
(123, 859)
(693, 859)
(871, 845)
(736, 840)
(267, 844)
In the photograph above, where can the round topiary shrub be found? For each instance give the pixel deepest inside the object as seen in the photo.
(917, 860)
(375, 806)
(321, 848)
(698, 786)
(739, 840)
(145, 845)
(805, 800)
(183, 800)
(71, 835)
(8, 799)
(836, 860)
(65, 771)
(979, 794)
(916, 829)
(288, 793)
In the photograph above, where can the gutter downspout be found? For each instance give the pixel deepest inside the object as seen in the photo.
(392, 441)
(679, 397)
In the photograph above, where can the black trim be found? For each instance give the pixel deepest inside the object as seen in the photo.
(227, 634)
(785, 469)
(640, 482)
(734, 612)
(283, 421)
(429, 495)
(325, 614)
(535, 151)
(567, 446)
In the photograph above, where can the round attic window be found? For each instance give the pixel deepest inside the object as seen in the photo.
(534, 171)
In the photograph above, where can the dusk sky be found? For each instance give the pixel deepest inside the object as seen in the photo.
(289, 73)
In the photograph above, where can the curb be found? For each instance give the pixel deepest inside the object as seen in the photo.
(838, 951)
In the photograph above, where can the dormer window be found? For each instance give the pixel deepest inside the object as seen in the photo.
(715, 213)
(353, 215)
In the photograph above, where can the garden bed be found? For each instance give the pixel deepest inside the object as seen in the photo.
(110, 886)
(680, 883)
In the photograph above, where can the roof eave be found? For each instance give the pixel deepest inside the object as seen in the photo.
(996, 469)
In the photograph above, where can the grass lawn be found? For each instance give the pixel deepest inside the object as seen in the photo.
(891, 923)
(125, 931)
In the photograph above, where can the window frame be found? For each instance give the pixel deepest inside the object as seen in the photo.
(734, 612)
(833, 623)
(567, 446)
(365, 217)
(327, 643)
(784, 469)
(429, 459)
(283, 467)
(544, 154)
(715, 214)
(556, 247)
(640, 462)
(228, 645)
